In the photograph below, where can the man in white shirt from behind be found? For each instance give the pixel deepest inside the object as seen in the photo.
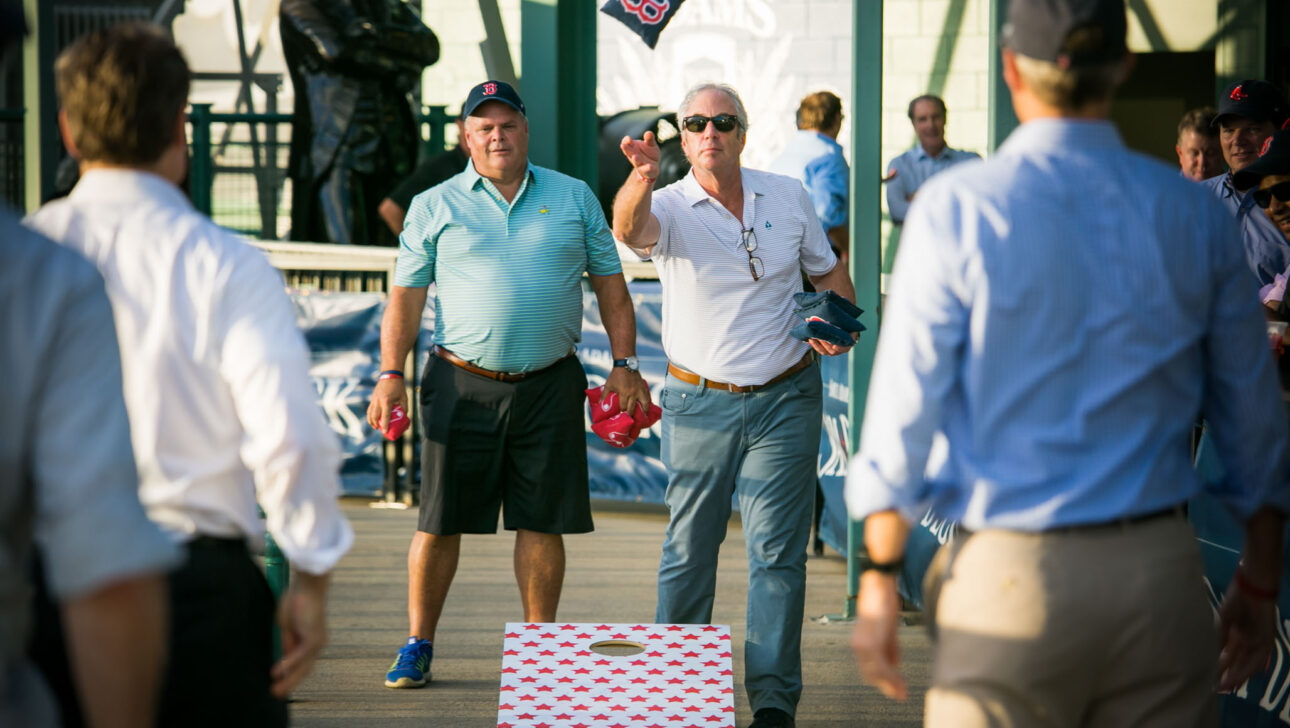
(222, 412)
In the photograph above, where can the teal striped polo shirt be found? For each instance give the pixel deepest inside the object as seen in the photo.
(508, 288)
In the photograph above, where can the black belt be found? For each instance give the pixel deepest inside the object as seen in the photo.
(1176, 511)
(217, 543)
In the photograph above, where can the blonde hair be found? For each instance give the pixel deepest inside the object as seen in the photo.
(1069, 89)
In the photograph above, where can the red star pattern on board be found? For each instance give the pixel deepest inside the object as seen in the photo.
(681, 679)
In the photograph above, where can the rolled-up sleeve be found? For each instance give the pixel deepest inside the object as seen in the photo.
(920, 348)
(288, 446)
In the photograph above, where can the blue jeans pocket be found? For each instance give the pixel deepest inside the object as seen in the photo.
(673, 401)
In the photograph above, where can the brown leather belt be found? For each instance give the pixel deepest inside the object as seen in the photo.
(692, 378)
(508, 377)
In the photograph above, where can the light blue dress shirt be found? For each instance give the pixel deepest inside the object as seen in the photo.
(912, 169)
(508, 276)
(1265, 247)
(1057, 318)
(817, 162)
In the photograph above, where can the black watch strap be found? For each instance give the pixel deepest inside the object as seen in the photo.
(891, 568)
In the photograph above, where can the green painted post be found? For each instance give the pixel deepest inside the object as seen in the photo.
(41, 146)
(558, 83)
(277, 571)
(201, 170)
(437, 117)
(866, 231)
(1002, 118)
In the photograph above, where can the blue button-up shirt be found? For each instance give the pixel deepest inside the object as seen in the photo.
(912, 169)
(1265, 247)
(508, 276)
(1057, 318)
(817, 162)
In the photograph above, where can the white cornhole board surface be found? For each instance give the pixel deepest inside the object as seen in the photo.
(551, 678)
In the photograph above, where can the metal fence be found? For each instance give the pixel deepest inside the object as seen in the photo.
(239, 166)
(12, 187)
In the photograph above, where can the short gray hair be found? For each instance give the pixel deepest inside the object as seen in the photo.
(740, 112)
(1070, 88)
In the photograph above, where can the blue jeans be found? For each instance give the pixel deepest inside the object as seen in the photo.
(763, 447)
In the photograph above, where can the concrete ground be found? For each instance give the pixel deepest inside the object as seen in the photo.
(610, 578)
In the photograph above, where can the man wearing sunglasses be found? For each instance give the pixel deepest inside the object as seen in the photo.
(1248, 112)
(742, 403)
(1267, 181)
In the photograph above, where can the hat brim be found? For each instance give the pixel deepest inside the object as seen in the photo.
(498, 99)
(1253, 174)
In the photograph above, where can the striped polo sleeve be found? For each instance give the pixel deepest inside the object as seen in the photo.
(415, 265)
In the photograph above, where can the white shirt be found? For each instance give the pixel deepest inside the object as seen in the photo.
(717, 321)
(215, 370)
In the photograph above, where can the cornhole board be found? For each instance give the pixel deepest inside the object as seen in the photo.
(616, 676)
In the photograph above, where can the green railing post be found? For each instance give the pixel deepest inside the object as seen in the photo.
(1002, 117)
(201, 170)
(437, 117)
(866, 232)
(277, 571)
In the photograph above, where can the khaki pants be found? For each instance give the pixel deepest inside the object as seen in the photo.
(1106, 626)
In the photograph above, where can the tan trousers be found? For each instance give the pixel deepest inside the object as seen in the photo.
(1101, 627)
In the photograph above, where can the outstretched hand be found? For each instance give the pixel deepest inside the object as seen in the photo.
(643, 154)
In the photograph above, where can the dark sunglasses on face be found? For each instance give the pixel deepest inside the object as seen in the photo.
(1263, 197)
(723, 122)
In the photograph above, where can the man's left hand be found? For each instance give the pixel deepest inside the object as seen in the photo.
(630, 386)
(302, 618)
(1248, 632)
(873, 639)
(828, 348)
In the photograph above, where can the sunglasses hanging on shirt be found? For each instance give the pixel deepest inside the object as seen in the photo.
(723, 122)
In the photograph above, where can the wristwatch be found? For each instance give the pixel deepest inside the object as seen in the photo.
(630, 364)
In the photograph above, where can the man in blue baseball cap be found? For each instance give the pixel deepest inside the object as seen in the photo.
(506, 243)
(1073, 593)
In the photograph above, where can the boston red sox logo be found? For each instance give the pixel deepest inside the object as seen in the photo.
(490, 89)
(650, 12)
(1238, 94)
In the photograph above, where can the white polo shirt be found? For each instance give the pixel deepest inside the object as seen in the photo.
(717, 321)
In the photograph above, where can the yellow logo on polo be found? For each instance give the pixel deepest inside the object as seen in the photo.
(542, 211)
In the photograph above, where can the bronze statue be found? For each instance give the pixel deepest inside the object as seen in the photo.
(352, 64)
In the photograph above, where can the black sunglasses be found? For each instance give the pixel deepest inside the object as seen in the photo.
(723, 122)
(1263, 197)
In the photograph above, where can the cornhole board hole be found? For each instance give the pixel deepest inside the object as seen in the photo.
(616, 676)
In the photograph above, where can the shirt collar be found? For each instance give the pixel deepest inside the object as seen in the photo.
(921, 154)
(124, 184)
(471, 178)
(1062, 134)
(817, 134)
(693, 192)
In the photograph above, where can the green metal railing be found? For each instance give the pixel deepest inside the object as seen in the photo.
(239, 176)
(12, 170)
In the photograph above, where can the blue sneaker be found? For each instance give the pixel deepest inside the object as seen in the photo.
(411, 668)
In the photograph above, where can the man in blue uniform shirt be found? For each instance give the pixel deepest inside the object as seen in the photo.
(1057, 346)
